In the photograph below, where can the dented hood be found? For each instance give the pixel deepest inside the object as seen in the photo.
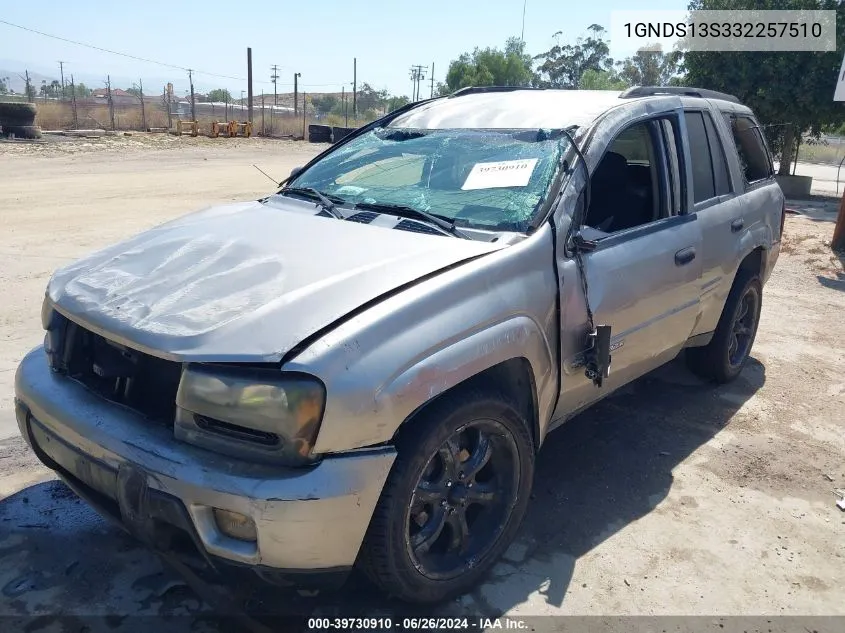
(243, 282)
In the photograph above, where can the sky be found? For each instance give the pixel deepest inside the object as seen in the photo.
(318, 40)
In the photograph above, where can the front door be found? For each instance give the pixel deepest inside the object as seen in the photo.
(644, 269)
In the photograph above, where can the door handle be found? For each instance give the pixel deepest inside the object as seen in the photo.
(684, 256)
(737, 225)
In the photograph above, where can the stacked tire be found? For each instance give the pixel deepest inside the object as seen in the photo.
(18, 119)
(319, 134)
(339, 133)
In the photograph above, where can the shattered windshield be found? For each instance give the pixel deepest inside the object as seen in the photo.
(486, 179)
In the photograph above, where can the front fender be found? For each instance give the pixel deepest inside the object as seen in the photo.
(419, 382)
(382, 365)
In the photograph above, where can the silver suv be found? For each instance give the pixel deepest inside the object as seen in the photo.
(360, 368)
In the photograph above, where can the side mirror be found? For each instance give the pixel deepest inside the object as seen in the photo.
(295, 171)
(581, 243)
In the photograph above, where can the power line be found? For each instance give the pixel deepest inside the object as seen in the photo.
(159, 63)
(107, 50)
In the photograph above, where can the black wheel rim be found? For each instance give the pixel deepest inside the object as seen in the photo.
(463, 500)
(743, 328)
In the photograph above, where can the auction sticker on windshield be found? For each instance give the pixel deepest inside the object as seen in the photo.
(505, 173)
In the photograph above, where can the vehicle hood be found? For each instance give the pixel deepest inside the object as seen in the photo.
(243, 282)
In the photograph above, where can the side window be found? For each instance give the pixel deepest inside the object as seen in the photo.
(720, 165)
(709, 167)
(626, 186)
(752, 152)
(673, 151)
(703, 183)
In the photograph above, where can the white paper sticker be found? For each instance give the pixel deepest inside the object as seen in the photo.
(505, 173)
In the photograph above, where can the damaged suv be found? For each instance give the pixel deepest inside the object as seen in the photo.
(360, 368)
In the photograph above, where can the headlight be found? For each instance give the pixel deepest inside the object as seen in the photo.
(250, 412)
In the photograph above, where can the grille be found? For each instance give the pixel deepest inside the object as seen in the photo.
(139, 381)
(364, 217)
(417, 227)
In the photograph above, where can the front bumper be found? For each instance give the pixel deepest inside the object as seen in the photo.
(309, 521)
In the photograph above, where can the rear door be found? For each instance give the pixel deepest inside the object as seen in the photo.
(714, 198)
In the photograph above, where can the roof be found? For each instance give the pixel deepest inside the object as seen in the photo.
(512, 109)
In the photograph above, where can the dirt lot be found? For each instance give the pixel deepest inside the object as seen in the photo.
(670, 498)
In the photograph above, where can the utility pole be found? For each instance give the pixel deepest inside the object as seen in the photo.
(143, 109)
(29, 90)
(522, 35)
(193, 107)
(432, 80)
(417, 75)
(275, 78)
(168, 93)
(73, 103)
(62, 73)
(249, 82)
(111, 103)
(355, 88)
(296, 77)
(837, 243)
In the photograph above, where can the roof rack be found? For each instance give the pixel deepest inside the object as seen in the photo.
(650, 91)
(471, 90)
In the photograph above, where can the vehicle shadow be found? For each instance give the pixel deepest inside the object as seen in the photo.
(599, 472)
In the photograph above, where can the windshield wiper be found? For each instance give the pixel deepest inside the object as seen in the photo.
(325, 201)
(405, 211)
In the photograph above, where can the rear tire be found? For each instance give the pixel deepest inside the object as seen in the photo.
(483, 498)
(724, 357)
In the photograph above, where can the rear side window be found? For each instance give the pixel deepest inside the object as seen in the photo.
(720, 165)
(704, 181)
(753, 156)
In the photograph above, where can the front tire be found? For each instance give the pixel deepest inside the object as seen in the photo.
(454, 499)
(724, 357)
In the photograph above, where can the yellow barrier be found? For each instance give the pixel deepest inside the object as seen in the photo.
(245, 127)
(193, 126)
(229, 128)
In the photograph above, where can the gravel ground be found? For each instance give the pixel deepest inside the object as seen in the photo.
(670, 498)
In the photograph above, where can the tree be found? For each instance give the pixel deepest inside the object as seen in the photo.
(791, 92)
(396, 102)
(564, 66)
(601, 80)
(4, 89)
(325, 104)
(650, 68)
(219, 95)
(370, 99)
(82, 90)
(491, 67)
(135, 91)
